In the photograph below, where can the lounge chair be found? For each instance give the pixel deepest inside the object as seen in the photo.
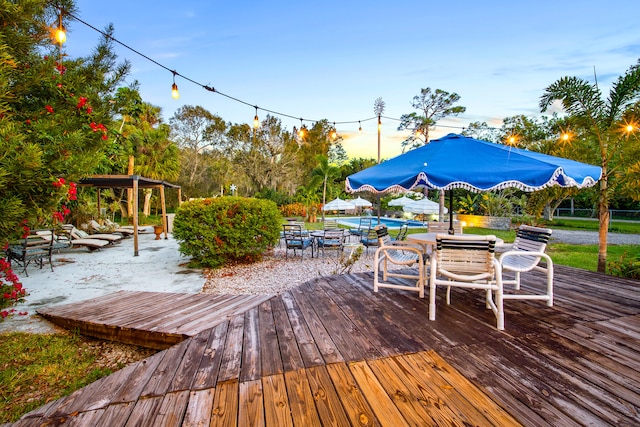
(79, 234)
(63, 240)
(109, 229)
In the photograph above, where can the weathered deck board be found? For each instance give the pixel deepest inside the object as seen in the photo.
(334, 352)
(150, 319)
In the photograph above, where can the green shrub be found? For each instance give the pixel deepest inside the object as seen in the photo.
(626, 266)
(221, 230)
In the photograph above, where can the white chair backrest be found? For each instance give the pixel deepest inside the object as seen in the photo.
(465, 258)
(443, 227)
(529, 238)
(330, 224)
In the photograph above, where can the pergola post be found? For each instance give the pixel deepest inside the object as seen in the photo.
(135, 215)
(164, 212)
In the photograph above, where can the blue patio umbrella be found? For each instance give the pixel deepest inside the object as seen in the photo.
(456, 161)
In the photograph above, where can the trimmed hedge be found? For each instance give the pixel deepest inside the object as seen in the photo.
(223, 230)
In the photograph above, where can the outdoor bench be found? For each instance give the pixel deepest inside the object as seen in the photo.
(35, 248)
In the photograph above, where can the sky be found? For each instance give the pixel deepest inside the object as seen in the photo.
(332, 59)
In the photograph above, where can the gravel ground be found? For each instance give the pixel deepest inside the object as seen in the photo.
(591, 238)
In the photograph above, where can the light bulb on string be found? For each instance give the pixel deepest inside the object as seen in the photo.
(60, 34)
(174, 88)
(359, 127)
(334, 133)
(256, 120)
(301, 131)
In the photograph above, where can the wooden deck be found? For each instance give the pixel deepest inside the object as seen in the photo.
(167, 318)
(332, 352)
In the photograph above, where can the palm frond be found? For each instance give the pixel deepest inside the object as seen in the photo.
(624, 92)
(579, 98)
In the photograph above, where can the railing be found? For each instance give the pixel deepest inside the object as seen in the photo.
(593, 213)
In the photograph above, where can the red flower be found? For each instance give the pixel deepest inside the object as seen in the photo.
(81, 102)
(89, 110)
(61, 68)
(28, 121)
(59, 85)
(49, 108)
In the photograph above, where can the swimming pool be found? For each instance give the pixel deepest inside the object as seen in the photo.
(391, 223)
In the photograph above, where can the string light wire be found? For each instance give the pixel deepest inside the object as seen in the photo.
(214, 90)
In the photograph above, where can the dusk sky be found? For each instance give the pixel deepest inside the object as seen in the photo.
(332, 59)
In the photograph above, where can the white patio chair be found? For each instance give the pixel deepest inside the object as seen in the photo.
(467, 261)
(443, 227)
(388, 252)
(525, 255)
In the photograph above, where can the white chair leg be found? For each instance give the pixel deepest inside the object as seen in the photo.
(517, 288)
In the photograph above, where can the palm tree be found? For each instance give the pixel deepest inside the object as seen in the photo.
(325, 171)
(601, 123)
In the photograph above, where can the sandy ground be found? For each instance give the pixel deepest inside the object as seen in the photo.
(80, 275)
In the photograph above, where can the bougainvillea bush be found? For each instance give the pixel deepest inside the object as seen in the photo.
(11, 291)
(223, 230)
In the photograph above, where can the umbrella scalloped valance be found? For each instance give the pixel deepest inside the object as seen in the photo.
(455, 161)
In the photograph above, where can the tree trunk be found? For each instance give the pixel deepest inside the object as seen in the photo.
(603, 207)
(146, 210)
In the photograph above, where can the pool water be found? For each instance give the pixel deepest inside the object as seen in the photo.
(391, 223)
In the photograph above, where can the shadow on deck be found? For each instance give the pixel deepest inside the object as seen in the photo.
(333, 352)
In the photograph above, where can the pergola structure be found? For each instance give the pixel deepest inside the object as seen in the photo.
(135, 182)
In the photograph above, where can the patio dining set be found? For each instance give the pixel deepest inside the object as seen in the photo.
(413, 262)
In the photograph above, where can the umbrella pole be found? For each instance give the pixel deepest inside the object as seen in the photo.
(451, 231)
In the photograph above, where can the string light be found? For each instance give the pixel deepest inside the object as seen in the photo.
(334, 133)
(175, 94)
(301, 131)
(256, 120)
(60, 33)
(174, 88)
(360, 127)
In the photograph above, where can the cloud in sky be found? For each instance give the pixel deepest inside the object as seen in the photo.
(332, 62)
